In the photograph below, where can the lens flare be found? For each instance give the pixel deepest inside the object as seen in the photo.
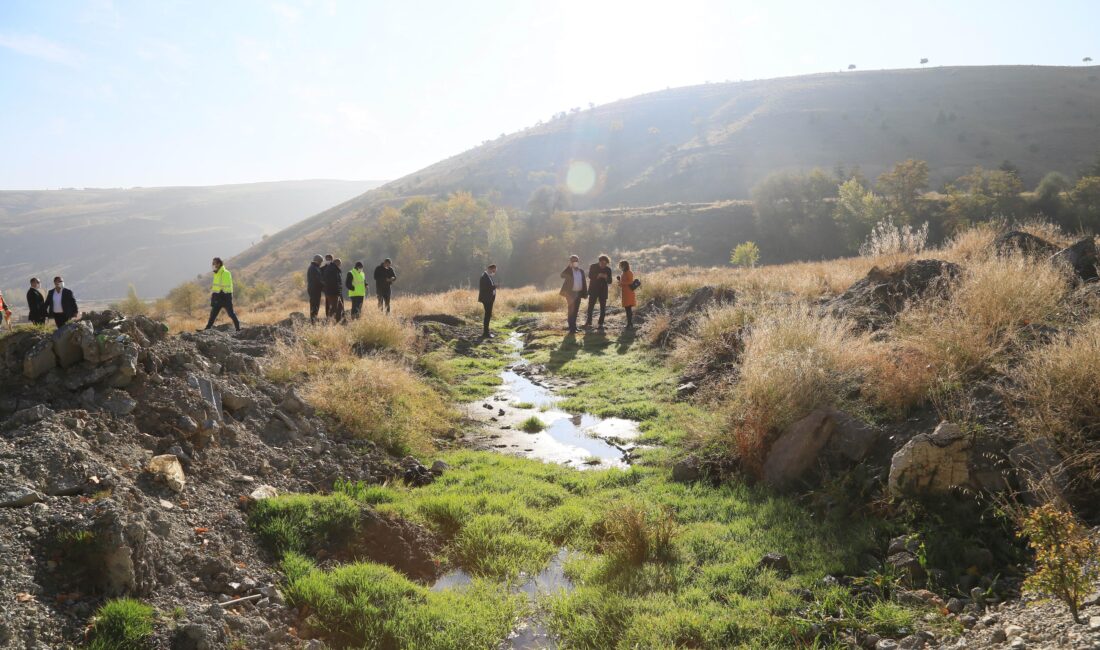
(581, 177)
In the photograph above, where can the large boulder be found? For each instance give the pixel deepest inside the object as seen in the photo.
(883, 293)
(40, 359)
(104, 345)
(932, 464)
(796, 451)
(1018, 241)
(1080, 257)
(66, 342)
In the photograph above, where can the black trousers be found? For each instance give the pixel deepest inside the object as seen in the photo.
(334, 307)
(629, 316)
(60, 320)
(573, 305)
(314, 306)
(592, 298)
(218, 302)
(356, 306)
(488, 315)
(384, 301)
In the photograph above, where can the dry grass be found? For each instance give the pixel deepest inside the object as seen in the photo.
(530, 299)
(994, 298)
(632, 534)
(715, 335)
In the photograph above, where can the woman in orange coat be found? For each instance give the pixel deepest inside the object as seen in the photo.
(627, 291)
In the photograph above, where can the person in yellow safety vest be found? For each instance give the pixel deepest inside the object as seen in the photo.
(221, 294)
(357, 288)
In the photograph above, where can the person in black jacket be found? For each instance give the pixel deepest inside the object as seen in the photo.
(599, 279)
(487, 295)
(36, 303)
(334, 290)
(384, 276)
(61, 303)
(314, 287)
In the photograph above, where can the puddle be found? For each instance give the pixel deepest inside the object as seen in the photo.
(531, 633)
(578, 440)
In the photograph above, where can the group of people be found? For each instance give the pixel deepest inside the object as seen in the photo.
(324, 277)
(595, 285)
(59, 303)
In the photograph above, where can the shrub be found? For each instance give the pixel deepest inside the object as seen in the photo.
(132, 305)
(532, 425)
(633, 534)
(716, 335)
(122, 624)
(745, 254)
(1065, 557)
(655, 330)
(889, 239)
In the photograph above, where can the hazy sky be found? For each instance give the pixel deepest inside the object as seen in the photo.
(158, 92)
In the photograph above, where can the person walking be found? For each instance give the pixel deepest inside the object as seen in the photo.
(487, 295)
(357, 289)
(5, 312)
(384, 277)
(314, 287)
(36, 303)
(334, 290)
(599, 279)
(221, 295)
(574, 288)
(61, 303)
(627, 292)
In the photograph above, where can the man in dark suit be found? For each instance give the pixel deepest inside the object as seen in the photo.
(315, 286)
(599, 279)
(334, 290)
(487, 295)
(36, 303)
(574, 287)
(61, 303)
(384, 277)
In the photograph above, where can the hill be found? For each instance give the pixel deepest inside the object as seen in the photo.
(715, 142)
(155, 238)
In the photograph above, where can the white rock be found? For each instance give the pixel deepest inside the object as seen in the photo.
(263, 492)
(167, 467)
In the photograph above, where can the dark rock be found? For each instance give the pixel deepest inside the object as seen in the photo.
(1081, 257)
(1017, 241)
(118, 403)
(66, 342)
(444, 319)
(883, 293)
(194, 636)
(439, 466)
(795, 451)
(908, 566)
(904, 544)
(17, 496)
(687, 470)
(776, 562)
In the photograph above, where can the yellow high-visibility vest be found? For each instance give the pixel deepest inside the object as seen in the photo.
(358, 284)
(223, 281)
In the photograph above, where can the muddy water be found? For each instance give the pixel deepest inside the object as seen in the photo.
(580, 440)
(531, 633)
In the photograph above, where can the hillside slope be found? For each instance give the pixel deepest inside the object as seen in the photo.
(716, 141)
(155, 238)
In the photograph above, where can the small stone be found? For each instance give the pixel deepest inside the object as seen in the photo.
(1094, 623)
(968, 621)
(998, 636)
(1013, 631)
(167, 505)
(886, 644)
(955, 605)
(776, 562)
(1017, 644)
(263, 492)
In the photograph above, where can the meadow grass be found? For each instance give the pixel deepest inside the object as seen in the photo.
(122, 624)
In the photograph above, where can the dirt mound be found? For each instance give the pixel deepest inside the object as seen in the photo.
(82, 517)
(883, 293)
(683, 310)
(1017, 241)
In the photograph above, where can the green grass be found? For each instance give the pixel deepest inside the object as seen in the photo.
(122, 624)
(532, 425)
(306, 523)
(366, 605)
(523, 405)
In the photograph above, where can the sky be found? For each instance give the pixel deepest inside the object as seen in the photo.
(98, 93)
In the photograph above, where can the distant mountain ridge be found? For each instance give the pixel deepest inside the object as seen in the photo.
(104, 239)
(714, 142)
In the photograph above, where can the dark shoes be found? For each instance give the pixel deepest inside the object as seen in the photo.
(488, 335)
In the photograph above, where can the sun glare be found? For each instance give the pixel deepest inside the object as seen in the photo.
(581, 177)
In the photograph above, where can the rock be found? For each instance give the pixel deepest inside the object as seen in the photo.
(194, 636)
(100, 347)
(66, 342)
(1040, 468)
(1080, 257)
(1017, 644)
(931, 463)
(39, 360)
(438, 467)
(1013, 630)
(796, 451)
(27, 416)
(117, 402)
(904, 544)
(17, 496)
(167, 468)
(852, 438)
(686, 389)
(908, 565)
(886, 644)
(968, 621)
(443, 319)
(263, 492)
(1094, 623)
(1017, 241)
(687, 470)
(870, 640)
(998, 636)
(292, 403)
(776, 562)
(883, 293)
(955, 605)
(235, 402)
(912, 642)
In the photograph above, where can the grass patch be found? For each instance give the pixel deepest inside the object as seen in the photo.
(367, 605)
(532, 425)
(122, 624)
(523, 405)
(305, 523)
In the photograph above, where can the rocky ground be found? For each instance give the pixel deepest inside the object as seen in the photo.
(128, 460)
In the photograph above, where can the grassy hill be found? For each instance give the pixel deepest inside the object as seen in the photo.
(715, 142)
(155, 238)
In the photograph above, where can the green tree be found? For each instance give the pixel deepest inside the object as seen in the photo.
(794, 212)
(903, 186)
(857, 211)
(500, 238)
(132, 305)
(745, 254)
(981, 195)
(186, 298)
(1085, 199)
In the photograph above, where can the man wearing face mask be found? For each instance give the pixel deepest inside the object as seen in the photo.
(61, 303)
(599, 279)
(221, 294)
(487, 295)
(574, 288)
(36, 303)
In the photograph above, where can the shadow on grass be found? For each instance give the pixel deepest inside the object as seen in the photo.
(564, 353)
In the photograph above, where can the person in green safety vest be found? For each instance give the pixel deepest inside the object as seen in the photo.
(357, 288)
(221, 294)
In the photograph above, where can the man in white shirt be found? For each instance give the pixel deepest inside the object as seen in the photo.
(574, 288)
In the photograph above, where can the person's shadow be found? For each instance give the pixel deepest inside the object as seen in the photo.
(565, 352)
(626, 339)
